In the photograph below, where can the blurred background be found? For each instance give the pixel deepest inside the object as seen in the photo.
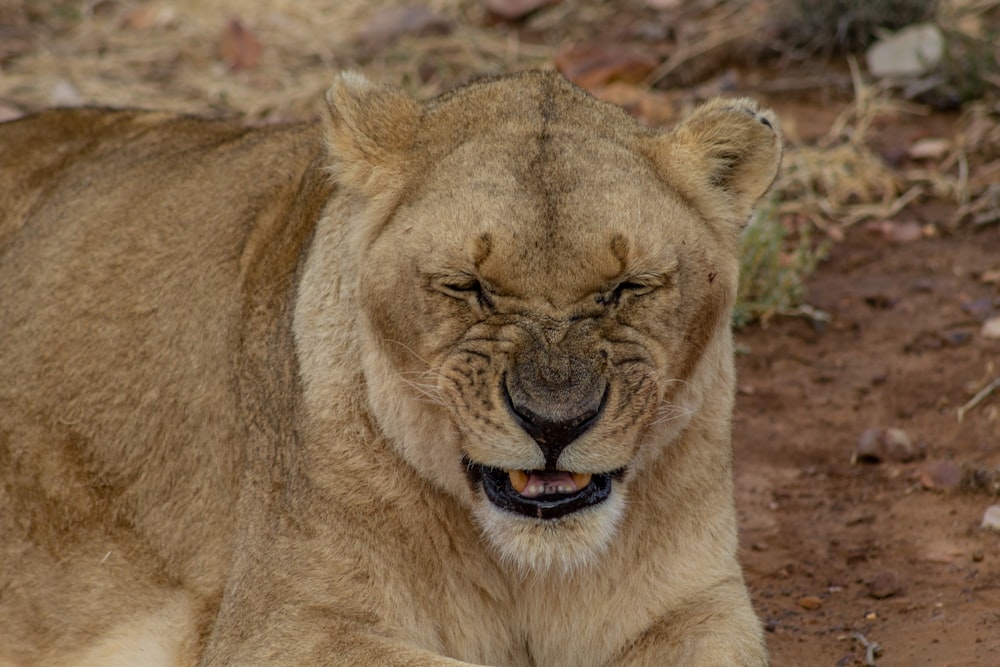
(867, 430)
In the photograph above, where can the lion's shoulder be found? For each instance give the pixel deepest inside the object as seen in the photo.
(147, 150)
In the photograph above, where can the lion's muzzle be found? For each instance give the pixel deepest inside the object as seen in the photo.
(554, 398)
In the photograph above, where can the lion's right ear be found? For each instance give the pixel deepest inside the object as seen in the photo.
(370, 130)
(722, 157)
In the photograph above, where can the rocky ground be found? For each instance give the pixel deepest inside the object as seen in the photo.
(867, 442)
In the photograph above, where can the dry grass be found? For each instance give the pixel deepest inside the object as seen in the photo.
(165, 54)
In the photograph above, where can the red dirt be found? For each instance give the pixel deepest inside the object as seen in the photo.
(903, 350)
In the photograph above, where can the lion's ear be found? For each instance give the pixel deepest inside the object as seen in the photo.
(722, 157)
(370, 130)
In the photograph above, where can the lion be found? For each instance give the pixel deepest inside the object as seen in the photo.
(421, 383)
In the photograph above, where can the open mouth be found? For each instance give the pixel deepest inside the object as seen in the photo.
(542, 494)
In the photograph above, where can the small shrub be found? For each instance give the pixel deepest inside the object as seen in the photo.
(829, 27)
(773, 269)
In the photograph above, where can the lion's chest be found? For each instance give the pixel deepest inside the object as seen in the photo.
(527, 623)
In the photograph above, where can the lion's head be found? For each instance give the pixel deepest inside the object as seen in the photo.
(545, 288)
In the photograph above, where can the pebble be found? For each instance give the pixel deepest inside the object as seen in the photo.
(810, 602)
(929, 149)
(885, 584)
(877, 445)
(991, 328)
(940, 475)
(991, 517)
(912, 51)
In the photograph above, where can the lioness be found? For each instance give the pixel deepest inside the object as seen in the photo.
(421, 384)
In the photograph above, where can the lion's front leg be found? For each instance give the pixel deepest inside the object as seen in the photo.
(317, 645)
(718, 629)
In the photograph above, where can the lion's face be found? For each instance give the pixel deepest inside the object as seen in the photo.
(536, 306)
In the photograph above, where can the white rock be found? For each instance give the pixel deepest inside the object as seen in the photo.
(64, 94)
(991, 517)
(991, 328)
(912, 51)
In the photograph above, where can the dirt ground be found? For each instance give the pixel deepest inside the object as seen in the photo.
(843, 550)
(869, 545)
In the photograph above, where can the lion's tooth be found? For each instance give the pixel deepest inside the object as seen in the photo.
(581, 479)
(518, 479)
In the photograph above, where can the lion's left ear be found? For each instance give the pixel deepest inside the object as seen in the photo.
(370, 130)
(722, 157)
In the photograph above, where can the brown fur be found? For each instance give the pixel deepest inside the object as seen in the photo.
(242, 373)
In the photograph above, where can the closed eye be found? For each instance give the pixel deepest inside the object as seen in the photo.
(462, 286)
(635, 286)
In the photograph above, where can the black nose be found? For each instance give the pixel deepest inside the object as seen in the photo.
(554, 414)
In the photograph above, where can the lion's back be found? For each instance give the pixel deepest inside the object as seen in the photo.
(126, 239)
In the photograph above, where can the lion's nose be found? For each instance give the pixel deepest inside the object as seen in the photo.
(554, 414)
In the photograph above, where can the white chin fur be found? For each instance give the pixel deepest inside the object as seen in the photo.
(536, 546)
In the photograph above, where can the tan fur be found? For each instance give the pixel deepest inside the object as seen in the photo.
(243, 372)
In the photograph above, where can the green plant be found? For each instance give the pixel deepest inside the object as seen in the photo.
(773, 268)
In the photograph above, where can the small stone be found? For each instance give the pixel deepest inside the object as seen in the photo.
(991, 517)
(956, 337)
(940, 475)
(869, 448)
(8, 112)
(885, 584)
(991, 328)
(902, 232)
(897, 445)
(912, 51)
(810, 602)
(64, 94)
(930, 149)
(877, 445)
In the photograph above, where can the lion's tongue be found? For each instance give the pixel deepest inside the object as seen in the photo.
(534, 483)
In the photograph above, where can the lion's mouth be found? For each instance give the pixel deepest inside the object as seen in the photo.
(542, 494)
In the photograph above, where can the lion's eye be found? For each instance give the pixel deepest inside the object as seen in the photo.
(462, 287)
(631, 288)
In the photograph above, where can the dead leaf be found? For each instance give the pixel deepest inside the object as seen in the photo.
(653, 107)
(389, 24)
(512, 10)
(594, 65)
(149, 16)
(238, 46)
